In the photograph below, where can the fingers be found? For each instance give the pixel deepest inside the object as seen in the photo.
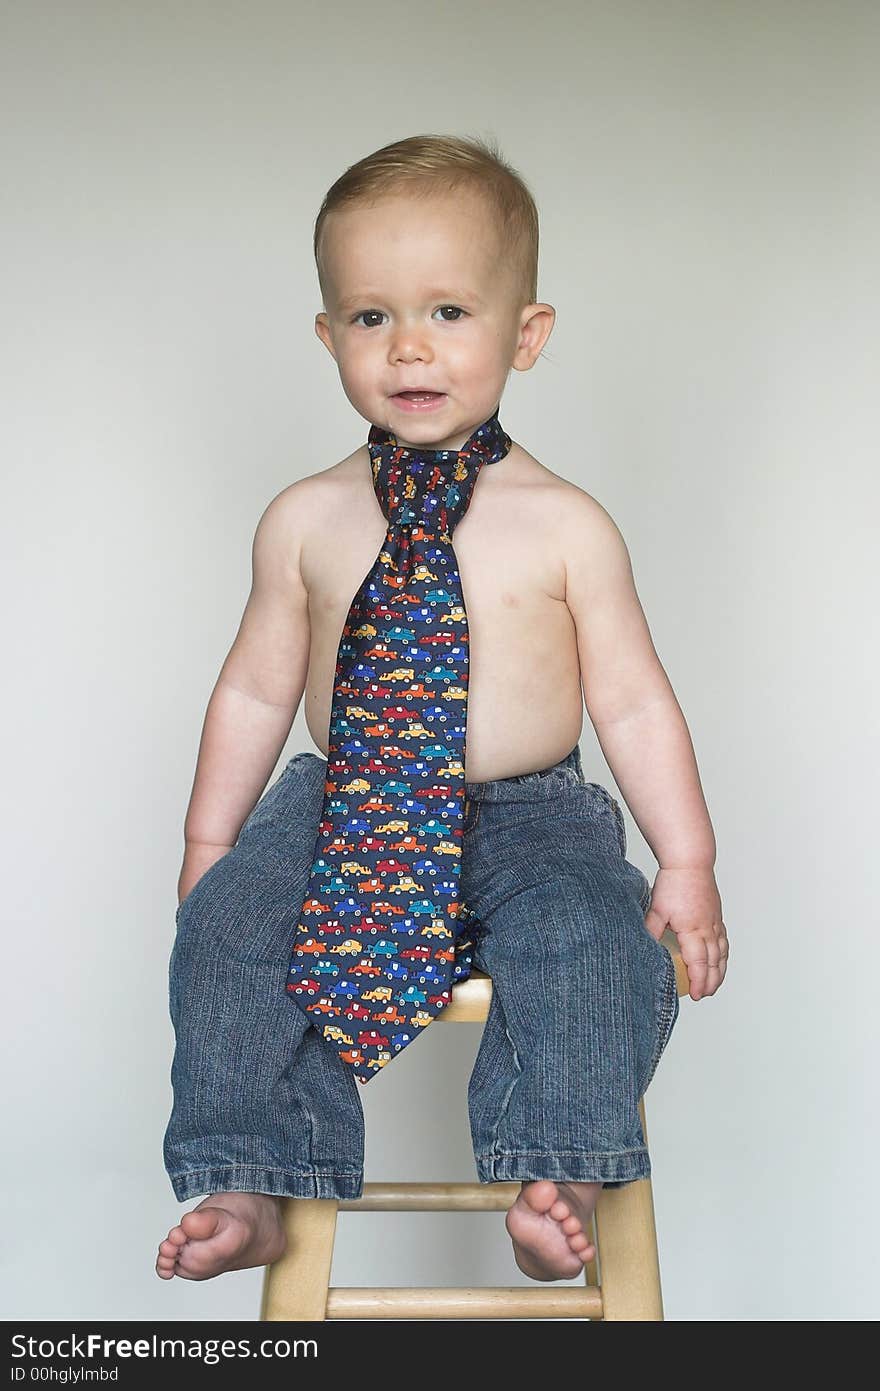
(655, 923)
(706, 961)
(704, 980)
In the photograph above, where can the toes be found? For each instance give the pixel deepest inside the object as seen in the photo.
(165, 1266)
(169, 1249)
(585, 1253)
(539, 1194)
(200, 1223)
(559, 1210)
(571, 1225)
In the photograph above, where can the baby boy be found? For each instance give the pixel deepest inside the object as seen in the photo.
(427, 263)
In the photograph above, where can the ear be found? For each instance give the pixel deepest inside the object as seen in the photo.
(536, 325)
(322, 328)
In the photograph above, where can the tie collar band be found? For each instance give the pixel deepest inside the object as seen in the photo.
(432, 487)
(489, 441)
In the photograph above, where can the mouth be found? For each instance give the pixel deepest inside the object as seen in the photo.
(419, 400)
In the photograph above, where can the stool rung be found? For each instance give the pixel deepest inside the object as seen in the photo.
(446, 1301)
(432, 1197)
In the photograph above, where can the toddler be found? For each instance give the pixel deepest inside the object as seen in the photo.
(427, 263)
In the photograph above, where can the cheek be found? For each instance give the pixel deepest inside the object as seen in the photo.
(357, 364)
(489, 341)
(364, 352)
(471, 348)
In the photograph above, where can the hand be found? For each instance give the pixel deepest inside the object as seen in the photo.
(197, 860)
(687, 901)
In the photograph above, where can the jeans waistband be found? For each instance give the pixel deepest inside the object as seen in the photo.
(544, 781)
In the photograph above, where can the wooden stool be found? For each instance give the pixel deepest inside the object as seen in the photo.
(297, 1286)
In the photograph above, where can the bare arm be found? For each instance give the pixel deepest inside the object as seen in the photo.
(633, 709)
(257, 694)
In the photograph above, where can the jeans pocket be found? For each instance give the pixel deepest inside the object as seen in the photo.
(602, 799)
(186, 901)
(186, 898)
(261, 813)
(666, 1008)
(616, 811)
(642, 886)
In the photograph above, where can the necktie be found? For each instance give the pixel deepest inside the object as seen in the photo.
(383, 934)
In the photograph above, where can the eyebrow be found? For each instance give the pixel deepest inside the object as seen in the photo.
(446, 296)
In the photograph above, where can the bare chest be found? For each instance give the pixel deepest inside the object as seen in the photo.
(523, 661)
(512, 575)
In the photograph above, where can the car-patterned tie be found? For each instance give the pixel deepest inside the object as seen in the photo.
(383, 934)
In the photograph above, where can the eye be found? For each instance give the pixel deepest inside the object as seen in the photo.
(378, 314)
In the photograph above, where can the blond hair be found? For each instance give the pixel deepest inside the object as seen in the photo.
(425, 165)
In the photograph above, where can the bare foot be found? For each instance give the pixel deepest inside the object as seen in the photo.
(227, 1231)
(548, 1225)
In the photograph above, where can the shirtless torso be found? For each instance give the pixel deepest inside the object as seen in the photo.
(555, 627)
(525, 701)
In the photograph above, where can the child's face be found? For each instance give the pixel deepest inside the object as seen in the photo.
(418, 296)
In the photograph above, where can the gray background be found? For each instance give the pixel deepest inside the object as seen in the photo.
(706, 178)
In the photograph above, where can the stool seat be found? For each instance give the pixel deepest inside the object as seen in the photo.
(622, 1282)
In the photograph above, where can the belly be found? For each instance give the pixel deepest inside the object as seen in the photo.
(525, 701)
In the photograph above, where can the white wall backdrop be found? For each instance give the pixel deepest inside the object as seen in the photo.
(706, 178)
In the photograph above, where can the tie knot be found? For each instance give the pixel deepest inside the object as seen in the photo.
(431, 488)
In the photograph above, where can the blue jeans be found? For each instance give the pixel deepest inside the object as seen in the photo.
(583, 1003)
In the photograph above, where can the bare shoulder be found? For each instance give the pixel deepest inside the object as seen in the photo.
(580, 522)
(620, 669)
(596, 555)
(303, 507)
(308, 496)
(522, 469)
(270, 656)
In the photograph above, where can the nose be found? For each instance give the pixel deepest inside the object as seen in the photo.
(410, 343)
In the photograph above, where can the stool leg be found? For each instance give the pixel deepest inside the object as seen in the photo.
(296, 1285)
(591, 1271)
(629, 1266)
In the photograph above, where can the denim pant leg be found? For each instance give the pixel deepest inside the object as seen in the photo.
(261, 1103)
(584, 998)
